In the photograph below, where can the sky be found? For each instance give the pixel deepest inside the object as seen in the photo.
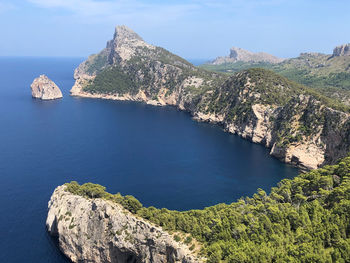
(194, 29)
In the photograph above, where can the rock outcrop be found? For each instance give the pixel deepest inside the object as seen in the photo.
(299, 126)
(45, 89)
(239, 54)
(101, 231)
(343, 50)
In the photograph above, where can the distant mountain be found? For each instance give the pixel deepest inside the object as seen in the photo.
(343, 50)
(239, 54)
(326, 73)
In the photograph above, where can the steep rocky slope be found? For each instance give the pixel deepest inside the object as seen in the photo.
(239, 54)
(299, 125)
(97, 230)
(342, 50)
(45, 89)
(304, 219)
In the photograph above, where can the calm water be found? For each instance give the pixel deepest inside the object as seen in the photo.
(157, 154)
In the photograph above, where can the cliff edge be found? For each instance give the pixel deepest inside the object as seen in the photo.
(98, 230)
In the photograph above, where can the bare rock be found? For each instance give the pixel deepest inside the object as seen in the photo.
(343, 50)
(239, 54)
(98, 230)
(45, 89)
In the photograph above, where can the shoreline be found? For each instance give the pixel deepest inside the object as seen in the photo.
(196, 116)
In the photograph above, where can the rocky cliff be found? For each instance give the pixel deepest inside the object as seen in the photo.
(299, 125)
(45, 89)
(239, 54)
(98, 230)
(343, 50)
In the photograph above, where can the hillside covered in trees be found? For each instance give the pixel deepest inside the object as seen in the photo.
(305, 219)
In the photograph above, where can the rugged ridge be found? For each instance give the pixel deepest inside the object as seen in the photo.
(239, 54)
(45, 89)
(299, 125)
(98, 230)
(328, 74)
(343, 50)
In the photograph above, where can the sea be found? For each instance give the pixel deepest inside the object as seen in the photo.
(157, 154)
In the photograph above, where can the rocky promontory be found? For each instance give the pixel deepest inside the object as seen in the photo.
(102, 231)
(45, 89)
(299, 125)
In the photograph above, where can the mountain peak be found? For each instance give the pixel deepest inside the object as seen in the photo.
(124, 44)
(342, 50)
(123, 32)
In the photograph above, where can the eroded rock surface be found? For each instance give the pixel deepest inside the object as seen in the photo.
(101, 231)
(45, 89)
(343, 50)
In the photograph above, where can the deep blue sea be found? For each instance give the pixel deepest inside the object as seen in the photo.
(159, 155)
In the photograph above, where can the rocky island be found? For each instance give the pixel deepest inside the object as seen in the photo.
(297, 123)
(45, 89)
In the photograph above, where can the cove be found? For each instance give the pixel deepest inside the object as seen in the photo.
(158, 154)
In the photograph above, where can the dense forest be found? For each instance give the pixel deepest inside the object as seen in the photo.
(305, 219)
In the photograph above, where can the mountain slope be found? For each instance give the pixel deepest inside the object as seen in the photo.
(328, 74)
(299, 125)
(302, 220)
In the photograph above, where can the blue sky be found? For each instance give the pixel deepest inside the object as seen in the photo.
(192, 28)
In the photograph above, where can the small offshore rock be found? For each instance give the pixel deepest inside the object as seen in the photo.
(45, 89)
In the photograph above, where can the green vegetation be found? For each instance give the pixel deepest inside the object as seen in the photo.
(305, 219)
(327, 74)
(111, 80)
(91, 190)
(95, 63)
(260, 86)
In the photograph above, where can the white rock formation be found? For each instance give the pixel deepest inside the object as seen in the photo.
(101, 231)
(45, 89)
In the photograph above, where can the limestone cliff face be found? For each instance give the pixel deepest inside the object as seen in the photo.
(45, 89)
(301, 131)
(258, 105)
(239, 54)
(96, 230)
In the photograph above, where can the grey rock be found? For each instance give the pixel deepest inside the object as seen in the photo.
(239, 54)
(101, 231)
(45, 89)
(343, 50)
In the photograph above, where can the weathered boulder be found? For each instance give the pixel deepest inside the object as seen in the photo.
(98, 230)
(45, 89)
